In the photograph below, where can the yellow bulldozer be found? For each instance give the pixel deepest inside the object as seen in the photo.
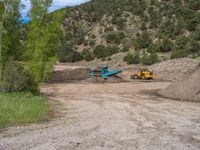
(143, 74)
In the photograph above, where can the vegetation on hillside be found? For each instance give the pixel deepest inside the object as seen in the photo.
(152, 26)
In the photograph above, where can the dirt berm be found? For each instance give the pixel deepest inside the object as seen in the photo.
(173, 69)
(63, 74)
(187, 88)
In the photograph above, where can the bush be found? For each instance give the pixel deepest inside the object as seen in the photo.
(143, 41)
(92, 43)
(99, 51)
(194, 47)
(120, 22)
(167, 45)
(73, 56)
(80, 41)
(125, 49)
(181, 42)
(102, 51)
(115, 37)
(108, 29)
(132, 59)
(149, 59)
(178, 54)
(16, 78)
(87, 55)
(154, 47)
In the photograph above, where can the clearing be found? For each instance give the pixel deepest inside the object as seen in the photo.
(125, 115)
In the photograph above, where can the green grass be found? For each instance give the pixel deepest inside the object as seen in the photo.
(198, 58)
(22, 108)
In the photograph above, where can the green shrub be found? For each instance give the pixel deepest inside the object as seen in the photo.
(17, 78)
(102, 51)
(87, 55)
(167, 45)
(125, 49)
(80, 41)
(115, 37)
(132, 59)
(111, 50)
(92, 43)
(143, 41)
(120, 22)
(93, 36)
(194, 47)
(178, 54)
(108, 29)
(73, 56)
(99, 51)
(149, 59)
(153, 58)
(154, 47)
(181, 42)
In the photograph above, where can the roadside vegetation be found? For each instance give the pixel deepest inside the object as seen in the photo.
(27, 55)
(22, 108)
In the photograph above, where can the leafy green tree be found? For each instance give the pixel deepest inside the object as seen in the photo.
(43, 40)
(9, 31)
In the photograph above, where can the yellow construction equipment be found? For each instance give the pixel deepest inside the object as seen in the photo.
(143, 74)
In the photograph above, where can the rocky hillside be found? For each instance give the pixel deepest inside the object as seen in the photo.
(143, 31)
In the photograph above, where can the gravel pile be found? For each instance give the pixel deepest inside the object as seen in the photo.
(173, 69)
(187, 88)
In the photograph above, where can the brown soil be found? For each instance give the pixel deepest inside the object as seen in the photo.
(125, 115)
(186, 88)
(115, 116)
(63, 74)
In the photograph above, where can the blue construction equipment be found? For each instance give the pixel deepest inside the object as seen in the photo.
(103, 72)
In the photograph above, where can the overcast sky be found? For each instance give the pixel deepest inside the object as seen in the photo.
(56, 5)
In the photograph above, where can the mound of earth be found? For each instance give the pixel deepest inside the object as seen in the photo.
(186, 88)
(173, 69)
(69, 74)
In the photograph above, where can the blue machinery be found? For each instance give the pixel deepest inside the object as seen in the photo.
(103, 73)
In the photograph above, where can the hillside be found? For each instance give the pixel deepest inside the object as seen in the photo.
(141, 30)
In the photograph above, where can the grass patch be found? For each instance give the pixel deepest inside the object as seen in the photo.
(22, 108)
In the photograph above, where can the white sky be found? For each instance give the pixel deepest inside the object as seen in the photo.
(56, 5)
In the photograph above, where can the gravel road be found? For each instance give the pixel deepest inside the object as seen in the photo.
(114, 116)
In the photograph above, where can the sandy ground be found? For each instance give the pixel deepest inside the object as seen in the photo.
(115, 116)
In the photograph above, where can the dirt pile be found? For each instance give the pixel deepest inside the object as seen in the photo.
(173, 69)
(187, 88)
(64, 74)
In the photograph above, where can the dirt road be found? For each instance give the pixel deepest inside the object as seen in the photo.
(118, 116)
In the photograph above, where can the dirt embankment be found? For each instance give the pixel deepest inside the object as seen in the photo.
(172, 70)
(63, 74)
(186, 88)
